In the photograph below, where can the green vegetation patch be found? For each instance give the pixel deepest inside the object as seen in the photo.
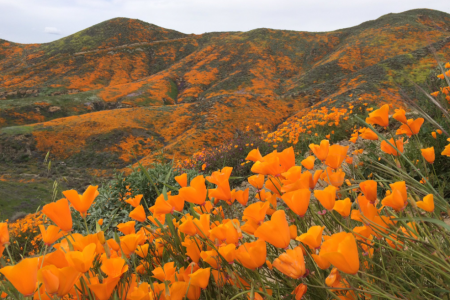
(13, 130)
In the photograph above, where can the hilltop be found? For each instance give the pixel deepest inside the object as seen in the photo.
(125, 86)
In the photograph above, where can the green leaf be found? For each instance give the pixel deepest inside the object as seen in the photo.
(431, 220)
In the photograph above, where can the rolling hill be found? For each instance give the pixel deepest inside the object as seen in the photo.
(125, 86)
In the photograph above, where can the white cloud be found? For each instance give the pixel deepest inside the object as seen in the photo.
(52, 30)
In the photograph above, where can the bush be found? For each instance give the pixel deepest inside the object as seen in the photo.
(110, 204)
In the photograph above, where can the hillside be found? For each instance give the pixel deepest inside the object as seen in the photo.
(125, 86)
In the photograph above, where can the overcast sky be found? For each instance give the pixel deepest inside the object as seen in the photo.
(39, 21)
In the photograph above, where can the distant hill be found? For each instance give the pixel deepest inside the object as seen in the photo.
(127, 86)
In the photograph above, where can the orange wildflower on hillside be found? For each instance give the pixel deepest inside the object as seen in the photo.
(59, 213)
(342, 252)
(82, 202)
(26, 285)
(379, 116)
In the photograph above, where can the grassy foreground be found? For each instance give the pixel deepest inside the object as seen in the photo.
(360, 219)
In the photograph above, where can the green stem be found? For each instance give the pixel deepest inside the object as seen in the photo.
(9, 254)
(43, 256)
(85, 224)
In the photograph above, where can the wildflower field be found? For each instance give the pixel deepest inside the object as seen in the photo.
(332, 205)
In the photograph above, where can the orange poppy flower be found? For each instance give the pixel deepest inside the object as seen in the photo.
(193, 246)
(254, 156)
(58, 281)
(446, 151)
(400, 116)
(335, 178)
(252, 255)
(321, 262)
(342, 252)
(228, 252)
(410, 230)
(412, 127)
(293, 232)
(292, 175)
(434, 94)
(228, 232)
(140, 293)
(167, 273)
(211, 257)
(129, 243)
(82, 260)
(299, 291)
(162, 206)
(56, 258)
(200, 278)
(428, 154)
(343, 207)
(270, 166)
(368, 134)
(135, 201)
(336, 156)
(188, 227)
(23, 276)
(182, 180)
(387, 148)
(100, 222)
(269, 265)
(354, 137)
(4, 234)
(379, 116)
(103, 291)
(127, 228)
(256, 211)
(313, 237)
(59, 213)
(114, 267)
(298, 201)
(138, 214)
(291, 263)
(82, 203)
(241, 196)
(250, 227)
(326, 197)
(309, 162)
(223, 191)
(314, 179)
(286, 158)
(196, 192)
(433, 134)
(369, 188)
(176, 201)
(397, 199)
(275, 231)
(180, 289)
(334, 279)
(51, 234)
(142, 250)
(256, 181)
(203, 225)
(427, 203)
(321, 152)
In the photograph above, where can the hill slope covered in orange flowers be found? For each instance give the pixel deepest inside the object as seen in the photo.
(125, 86)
